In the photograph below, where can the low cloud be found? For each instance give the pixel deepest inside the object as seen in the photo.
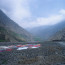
(51, 20)
(18, 10)
(62, 11)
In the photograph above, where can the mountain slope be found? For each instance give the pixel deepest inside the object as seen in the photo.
(58, 36)
(11, 31)
(45, 32)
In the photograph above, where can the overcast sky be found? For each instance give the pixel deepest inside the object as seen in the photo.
(33, 13)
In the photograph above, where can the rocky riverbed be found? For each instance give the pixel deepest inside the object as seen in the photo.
(50, 53)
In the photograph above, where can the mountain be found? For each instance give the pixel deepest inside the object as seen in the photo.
(58, 36)
(11, 31)
(45, 32)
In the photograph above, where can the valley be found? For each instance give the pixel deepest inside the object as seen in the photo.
(32, 32)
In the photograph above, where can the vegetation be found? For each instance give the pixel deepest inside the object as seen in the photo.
(37, 39)
(11, 31)
(4, 33)
(2, 40)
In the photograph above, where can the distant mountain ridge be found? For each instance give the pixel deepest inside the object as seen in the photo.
(45, 32)
(11, 31)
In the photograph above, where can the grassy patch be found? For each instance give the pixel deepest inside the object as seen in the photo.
(2, 40)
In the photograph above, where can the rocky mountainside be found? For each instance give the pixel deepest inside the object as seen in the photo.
(58, 36)
(11, 31)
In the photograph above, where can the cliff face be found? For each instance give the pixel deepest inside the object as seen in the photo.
(11, 31)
